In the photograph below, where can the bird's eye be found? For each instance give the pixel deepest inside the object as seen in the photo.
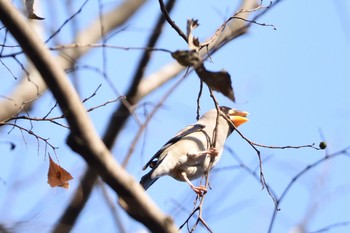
(223, 109)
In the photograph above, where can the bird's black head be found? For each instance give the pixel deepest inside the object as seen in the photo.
(237, 117)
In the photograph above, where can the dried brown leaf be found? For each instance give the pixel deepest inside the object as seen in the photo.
(58, 176)
(186, 57)
(217, 81)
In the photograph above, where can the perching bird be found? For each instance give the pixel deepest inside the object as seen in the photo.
(191, 153)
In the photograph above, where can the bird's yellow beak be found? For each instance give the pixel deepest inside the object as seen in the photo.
(238, 117)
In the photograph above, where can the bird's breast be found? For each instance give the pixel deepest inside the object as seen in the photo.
(196, 166)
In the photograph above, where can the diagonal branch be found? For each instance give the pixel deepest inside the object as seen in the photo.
(83, 137)
(170, 21)
(117, 121)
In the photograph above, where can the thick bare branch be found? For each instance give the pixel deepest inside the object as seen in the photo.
(83, 137)
(117, 121)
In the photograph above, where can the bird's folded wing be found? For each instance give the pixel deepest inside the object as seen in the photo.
(184, 132)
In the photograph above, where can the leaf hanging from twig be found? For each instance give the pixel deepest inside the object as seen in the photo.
(30, 10)
(58, 176)
(187, 57)
(218, 81)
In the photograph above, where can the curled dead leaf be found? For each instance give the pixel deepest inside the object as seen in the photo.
(186, 57)
(218, 81)
(58, 176)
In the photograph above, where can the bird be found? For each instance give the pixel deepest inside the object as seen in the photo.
(194, 150)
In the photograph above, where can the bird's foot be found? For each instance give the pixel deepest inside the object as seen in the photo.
(212, 151)
(199, 190)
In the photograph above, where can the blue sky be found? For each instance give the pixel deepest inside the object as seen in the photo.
(293, 82)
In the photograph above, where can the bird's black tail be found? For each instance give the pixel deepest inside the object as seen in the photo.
(146, 181)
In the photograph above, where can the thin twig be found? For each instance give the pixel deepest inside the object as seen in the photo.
(331, 226)
(189, 217)
(262, 178)
(93, 94)
(56, 104)
(254, 22)
(198, 98)
(216, 103)
(170, 21)
(53, 119)
(106, 103)
(285, 147)
(66, 21)
(93, 45)
(345, 151)
(30, 132)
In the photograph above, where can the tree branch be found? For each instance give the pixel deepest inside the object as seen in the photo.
(83, 137)
(117, 121)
